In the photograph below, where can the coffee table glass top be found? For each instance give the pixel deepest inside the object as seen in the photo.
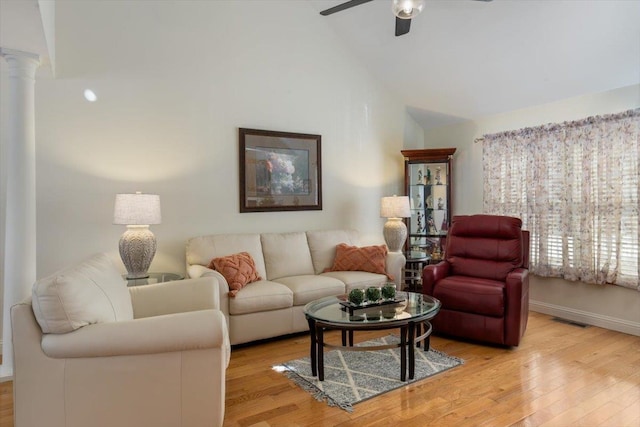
(413, 306)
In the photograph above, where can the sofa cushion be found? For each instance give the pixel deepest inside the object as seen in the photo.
(357, 279)
(201, 250)
(237, 269)
(367, 258)
(286, 254)
(91, 292)
(322, 245)
(262, 295)
(311, 287)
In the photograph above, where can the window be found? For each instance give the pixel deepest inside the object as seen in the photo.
(575, 186)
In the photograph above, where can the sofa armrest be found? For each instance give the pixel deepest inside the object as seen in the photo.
(197, 270)
(395, 262)
(161, 334)
(433, 273)
(175, 297)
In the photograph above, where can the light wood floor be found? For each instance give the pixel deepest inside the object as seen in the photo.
(560, 375)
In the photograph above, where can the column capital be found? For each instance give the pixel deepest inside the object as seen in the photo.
(20, 61)
(19, 54)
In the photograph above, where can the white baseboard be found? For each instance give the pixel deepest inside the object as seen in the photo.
(607, 322)
(6, 374)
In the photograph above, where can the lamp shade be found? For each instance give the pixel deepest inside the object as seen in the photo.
(395, 207)
(407, 9)
(137, 209)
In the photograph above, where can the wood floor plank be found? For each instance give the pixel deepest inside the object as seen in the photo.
(560, 375)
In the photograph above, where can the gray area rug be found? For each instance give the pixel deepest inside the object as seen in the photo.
(353, 376)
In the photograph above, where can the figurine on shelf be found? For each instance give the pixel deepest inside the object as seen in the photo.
(427, 179)
(438, 182)
(440, 203)
(444, 227)
(419, 219)
(431, 225)
(435, 255)
(429, 201)
(419, 176)
(417, 204)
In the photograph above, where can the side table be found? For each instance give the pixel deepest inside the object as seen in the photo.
(416, 261)
(153, 278)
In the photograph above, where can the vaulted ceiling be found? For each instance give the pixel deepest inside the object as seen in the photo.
(465, 59)
(462, 59)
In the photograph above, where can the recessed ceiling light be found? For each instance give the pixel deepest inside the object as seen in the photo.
(89, 95)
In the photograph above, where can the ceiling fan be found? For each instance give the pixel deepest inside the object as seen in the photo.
(403, 9)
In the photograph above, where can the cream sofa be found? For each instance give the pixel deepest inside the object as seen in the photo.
(292, 267)
(151, 355)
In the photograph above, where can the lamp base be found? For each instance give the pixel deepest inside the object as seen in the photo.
(395, 234)
(137, 249)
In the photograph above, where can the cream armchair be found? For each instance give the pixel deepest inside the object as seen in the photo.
(158, 361)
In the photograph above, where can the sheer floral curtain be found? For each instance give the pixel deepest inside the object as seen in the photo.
(575, 186)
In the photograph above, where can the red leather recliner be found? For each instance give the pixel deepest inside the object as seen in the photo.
(483, 282)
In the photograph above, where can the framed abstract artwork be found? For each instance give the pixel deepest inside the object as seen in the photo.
(279, 171)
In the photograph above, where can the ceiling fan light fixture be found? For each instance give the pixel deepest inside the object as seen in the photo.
(407, 9)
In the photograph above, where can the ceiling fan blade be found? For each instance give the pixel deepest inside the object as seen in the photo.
(343, 6)
(402, 26)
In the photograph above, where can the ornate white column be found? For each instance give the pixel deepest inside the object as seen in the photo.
(19, 262)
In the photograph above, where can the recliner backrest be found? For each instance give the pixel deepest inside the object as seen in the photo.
(485, 246)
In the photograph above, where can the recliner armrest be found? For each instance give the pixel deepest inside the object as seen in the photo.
(162, 334)
(516, 305)
(175, 297)
(517, 277)
(433, 273)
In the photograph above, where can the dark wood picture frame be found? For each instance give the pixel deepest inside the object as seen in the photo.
(279, 171)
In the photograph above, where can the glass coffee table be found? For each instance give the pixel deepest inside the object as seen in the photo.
(410, 314)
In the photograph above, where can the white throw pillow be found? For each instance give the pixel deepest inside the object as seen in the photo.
(91, 292)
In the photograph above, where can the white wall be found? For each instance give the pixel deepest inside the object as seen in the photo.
(612, 306)
(175, 81)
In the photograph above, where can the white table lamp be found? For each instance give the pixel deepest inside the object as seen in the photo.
(137, 244)
(395, 232)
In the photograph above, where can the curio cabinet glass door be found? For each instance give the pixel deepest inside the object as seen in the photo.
(427, 176)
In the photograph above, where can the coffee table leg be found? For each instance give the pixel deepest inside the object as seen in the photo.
(313, 351)
(320, 345)
(403, 353)
(351, 338)
(427, 340)
(344, 337)
(412, 350)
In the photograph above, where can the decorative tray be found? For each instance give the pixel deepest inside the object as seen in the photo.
(349, 306)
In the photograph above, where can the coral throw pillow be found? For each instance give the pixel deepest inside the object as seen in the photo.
(367, 258)
(238, 269)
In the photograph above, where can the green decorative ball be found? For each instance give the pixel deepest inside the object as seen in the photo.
(388, 291)
(373, 294)
(356, 296)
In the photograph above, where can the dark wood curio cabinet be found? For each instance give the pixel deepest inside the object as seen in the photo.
(427, 181)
